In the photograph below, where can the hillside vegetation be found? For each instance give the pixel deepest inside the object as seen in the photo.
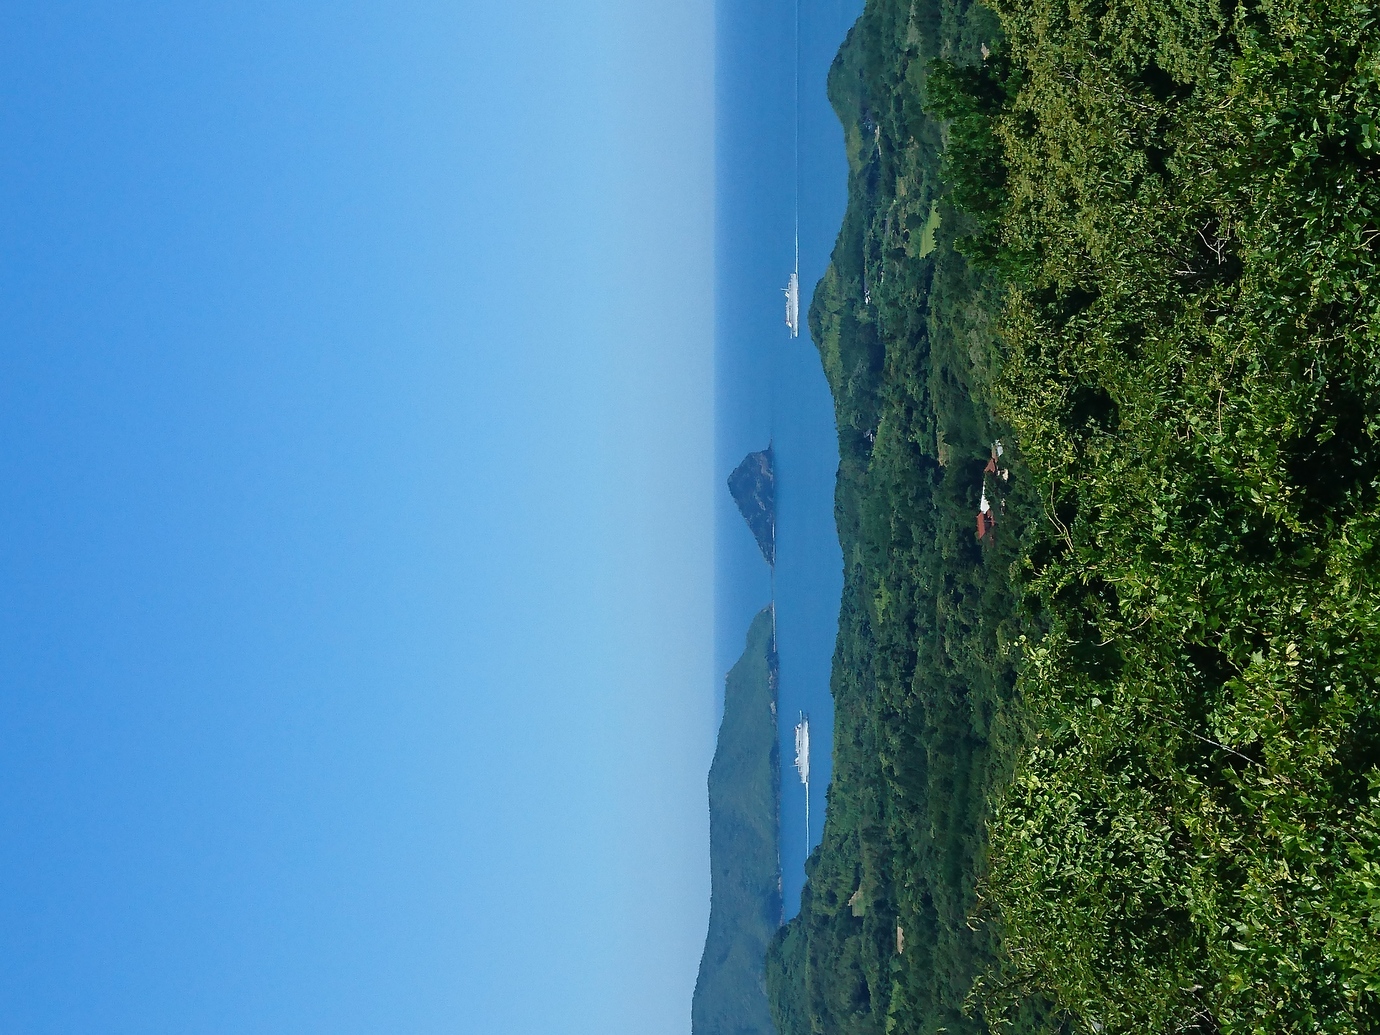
(925, 666)
(744, 853)
(1112, 767)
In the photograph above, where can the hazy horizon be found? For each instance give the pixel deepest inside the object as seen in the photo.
(353, 682)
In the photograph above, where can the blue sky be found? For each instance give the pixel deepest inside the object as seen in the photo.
(356, 430)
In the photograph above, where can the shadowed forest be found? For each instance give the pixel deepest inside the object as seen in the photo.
(1100, 330)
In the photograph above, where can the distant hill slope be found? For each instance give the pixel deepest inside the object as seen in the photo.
(753, 485)
(744, 854)
(886, 941)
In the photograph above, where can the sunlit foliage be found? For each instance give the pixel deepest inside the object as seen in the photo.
(1151, 696)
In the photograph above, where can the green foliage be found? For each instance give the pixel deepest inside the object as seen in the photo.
(744, 853)
(970, 97)
(1156, 688)
(1191, 839)
(924, 669)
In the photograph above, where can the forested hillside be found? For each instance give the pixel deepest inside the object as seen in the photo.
(924, 670)
(744, 852)
(1134, 243)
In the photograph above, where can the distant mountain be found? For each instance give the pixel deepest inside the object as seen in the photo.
(753, 485)
(744, 850)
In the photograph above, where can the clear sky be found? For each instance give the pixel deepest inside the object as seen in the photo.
(355, 515)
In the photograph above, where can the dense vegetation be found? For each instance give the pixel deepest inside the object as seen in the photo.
(1187, 220)
(924, 669)
(744, 854)
(1138, 249)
